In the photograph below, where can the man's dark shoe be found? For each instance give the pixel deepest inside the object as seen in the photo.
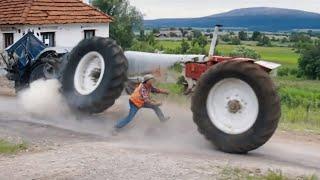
(115, 131)
(166, 119)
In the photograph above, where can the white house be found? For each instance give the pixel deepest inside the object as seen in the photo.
(61, 23)
(88, 1)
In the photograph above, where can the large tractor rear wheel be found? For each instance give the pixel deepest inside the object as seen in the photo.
(94, 75)
(236, 107)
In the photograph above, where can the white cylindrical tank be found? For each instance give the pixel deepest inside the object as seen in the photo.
(142, 62)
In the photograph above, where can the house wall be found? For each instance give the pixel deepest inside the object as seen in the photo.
(66, 35)
(87, 1)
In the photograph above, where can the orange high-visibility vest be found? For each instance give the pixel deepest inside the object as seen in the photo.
(136, 97)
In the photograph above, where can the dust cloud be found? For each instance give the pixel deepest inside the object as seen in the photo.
(43, 103)
(43, 99)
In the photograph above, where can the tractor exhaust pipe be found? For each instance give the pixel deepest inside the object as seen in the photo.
(214, 40)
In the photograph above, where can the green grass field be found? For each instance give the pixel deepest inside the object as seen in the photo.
(283, 55)
(300, 101)
(170, 44)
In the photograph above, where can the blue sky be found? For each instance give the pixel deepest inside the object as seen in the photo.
(153, 9)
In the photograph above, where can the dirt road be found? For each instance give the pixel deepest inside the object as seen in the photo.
(68, 146)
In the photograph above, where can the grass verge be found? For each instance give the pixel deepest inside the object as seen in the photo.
(10, 148)
(237, 173)
(300, 101)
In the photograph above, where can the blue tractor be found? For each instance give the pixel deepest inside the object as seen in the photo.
(28, 60)
(92, 74)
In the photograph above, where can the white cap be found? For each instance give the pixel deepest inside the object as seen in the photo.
(147, 77)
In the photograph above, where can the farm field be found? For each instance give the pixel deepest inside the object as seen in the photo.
(283, 55)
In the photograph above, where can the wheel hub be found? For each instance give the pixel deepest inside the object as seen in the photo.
(89, 73)
(234, 106)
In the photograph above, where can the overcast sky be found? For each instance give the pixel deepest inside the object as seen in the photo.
(153, 9)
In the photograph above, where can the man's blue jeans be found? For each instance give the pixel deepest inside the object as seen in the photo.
(133, 111)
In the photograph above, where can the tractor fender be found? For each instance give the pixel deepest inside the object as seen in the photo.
(265, 65)
(56, 50)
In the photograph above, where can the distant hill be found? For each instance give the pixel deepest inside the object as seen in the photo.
(260, 18)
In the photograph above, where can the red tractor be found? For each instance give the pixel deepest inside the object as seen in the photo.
(234, 103)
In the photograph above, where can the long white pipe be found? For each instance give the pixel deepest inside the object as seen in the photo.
(142, 62)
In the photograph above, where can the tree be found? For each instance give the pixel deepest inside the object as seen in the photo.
(300, 37)
(155, 31)
(196, 33)
(245, 52)
(142, 36)
(150, 39)
(185, 46)
(196, 49)
(256, 36)
(225, 38)
(235, 41)
(284, 40)
(264, 41)
(243, 36)
(147, 44)
(301, 46)
(202, 41)
(183, 32)
(309, 62)
(126, 18)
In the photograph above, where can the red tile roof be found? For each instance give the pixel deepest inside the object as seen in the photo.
(36, 12)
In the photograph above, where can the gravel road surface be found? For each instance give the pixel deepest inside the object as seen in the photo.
(77, 146)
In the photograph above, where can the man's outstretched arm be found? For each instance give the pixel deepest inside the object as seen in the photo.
(159, 91)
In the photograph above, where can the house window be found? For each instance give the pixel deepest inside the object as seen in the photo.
(89, 34)
(8, 39)
(48, 38)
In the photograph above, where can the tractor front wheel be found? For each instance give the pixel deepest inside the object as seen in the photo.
(94, 75)
(236, 107)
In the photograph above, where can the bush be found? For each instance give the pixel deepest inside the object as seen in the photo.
(225, 38)
(284, 71)
(294, 97)
(256, 36)
(245, 52)
(309, 62)
(185, 46)
(264, 41)
(196, 49)
(142, 46)
(235, 41)
(177, 67)
(243, 36)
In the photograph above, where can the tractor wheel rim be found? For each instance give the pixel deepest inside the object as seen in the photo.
(89, 73)
(232, 106)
